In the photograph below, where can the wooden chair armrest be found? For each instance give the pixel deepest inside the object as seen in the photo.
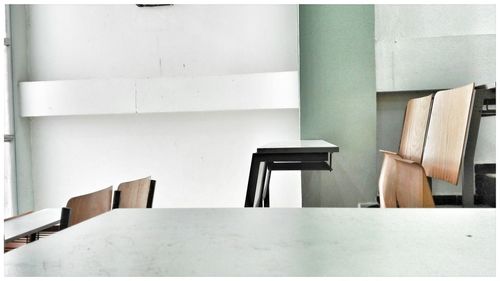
(387, 152)
(407, 161)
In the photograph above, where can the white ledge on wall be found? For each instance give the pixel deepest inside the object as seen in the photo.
(273, 90)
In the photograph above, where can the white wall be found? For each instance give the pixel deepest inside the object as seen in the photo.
(198, 159)
(432, 47)
(124, 41)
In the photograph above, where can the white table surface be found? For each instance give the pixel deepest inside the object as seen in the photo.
(267, 242)
(31, 223)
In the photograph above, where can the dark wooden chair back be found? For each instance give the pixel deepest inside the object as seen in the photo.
(135, 194)
(86, 206)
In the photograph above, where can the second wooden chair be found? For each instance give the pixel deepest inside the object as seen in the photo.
(135, 194)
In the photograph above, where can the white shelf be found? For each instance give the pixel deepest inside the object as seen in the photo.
(274, 90)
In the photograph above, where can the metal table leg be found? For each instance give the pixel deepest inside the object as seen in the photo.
(265, 191)
(252, 180)
(258, 182)
(261, 183)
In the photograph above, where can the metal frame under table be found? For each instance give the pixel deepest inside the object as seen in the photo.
(281, 156)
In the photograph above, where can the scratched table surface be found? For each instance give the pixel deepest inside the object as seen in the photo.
(267, 242)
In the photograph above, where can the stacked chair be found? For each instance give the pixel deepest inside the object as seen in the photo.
(432, 147)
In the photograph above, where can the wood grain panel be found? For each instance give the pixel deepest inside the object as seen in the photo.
(134, 194)
(412, 189)
(86, 206)
(415, 123)
(447, 133)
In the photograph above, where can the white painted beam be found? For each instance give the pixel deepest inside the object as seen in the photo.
(77, 97)
(274, 90)
(215, 93)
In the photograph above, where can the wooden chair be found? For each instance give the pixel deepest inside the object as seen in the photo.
(411, 147)
(135, 194)
(86, 206)
(443, 151)
(447, 134)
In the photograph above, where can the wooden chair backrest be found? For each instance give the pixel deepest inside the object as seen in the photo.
(414, 130)
(86, 206)
(447, 133)
(135, 194)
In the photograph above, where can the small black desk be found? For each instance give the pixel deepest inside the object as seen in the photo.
(291, 155)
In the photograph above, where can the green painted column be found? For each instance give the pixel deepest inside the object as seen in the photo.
(338, 101)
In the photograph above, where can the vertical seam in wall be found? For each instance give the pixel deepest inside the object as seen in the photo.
(29, 72)
(298, 85)
(135, 96)
(29, 125)
(298, 67)
(159, 55)
(26, 37)
(392, 67)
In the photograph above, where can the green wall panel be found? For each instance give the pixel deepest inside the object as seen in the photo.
(338, 101)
